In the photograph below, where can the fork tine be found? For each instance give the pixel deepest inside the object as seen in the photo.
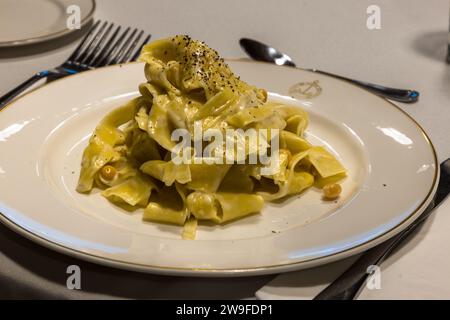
(89, 58)
(102, 57)
(85, 39)
(116, 58)
(89, 47)
(138, 52)
(115, 48)
(127, 55)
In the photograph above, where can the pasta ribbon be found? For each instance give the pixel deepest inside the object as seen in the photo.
(190, 87)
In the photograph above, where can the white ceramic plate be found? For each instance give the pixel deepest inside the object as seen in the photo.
(391, 163)
(31, 21)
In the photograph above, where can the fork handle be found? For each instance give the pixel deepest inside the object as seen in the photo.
(7, 98)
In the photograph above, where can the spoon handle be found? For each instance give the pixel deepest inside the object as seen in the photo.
(401, 95)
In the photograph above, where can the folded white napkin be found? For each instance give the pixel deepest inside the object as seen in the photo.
(418, 270)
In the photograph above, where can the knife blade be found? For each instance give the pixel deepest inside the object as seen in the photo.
(348, 284)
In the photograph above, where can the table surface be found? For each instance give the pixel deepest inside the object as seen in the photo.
(407, 52)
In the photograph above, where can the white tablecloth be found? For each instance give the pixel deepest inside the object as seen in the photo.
(407, 52)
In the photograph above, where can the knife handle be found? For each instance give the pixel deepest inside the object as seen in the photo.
(348, 284)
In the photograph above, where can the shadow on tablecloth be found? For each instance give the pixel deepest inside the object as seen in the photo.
(30, 271)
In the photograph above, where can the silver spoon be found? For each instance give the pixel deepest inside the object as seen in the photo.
(262, 52)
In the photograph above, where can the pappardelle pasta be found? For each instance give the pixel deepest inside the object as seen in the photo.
(132, 153)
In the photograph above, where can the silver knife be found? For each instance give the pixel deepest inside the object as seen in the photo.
(348, 284)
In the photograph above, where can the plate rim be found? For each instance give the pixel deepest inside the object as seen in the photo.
(50, 36)
(237, 272)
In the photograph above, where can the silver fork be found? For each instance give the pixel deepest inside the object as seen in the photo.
(100, 47)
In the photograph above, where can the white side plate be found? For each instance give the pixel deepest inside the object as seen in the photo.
(31, 21)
